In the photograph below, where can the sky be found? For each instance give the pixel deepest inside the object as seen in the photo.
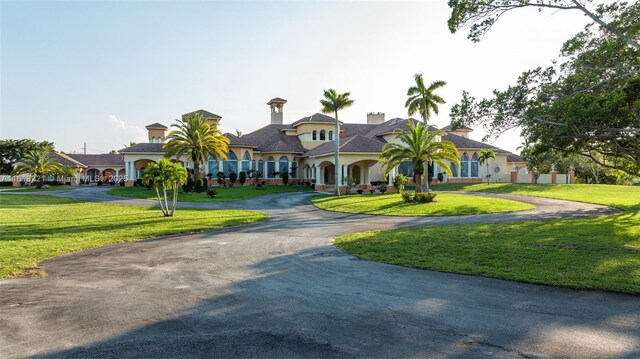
(99, 72)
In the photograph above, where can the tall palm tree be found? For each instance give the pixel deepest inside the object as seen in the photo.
(38, 163)
(331, 104)
(195, 138)
(484, 157)
(419, 146)
(422, 99)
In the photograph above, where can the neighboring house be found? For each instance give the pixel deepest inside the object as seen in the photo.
(305, 149)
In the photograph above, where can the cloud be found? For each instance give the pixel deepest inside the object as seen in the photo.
(128, 132)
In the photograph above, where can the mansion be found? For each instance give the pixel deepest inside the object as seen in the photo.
(305, 150)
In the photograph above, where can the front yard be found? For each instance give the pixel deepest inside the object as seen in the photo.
(36, 227)
(596, 253)
(225, 194)
(392, 205)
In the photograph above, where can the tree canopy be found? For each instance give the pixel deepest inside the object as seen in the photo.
(587, 103)
(12, 151)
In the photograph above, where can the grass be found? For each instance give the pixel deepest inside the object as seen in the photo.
(38, 227)
(392, 205)
(595, 253)
(225, 194)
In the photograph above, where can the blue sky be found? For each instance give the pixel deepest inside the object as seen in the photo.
(72, 72)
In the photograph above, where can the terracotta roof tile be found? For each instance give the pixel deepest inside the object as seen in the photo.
(144, 148)
(103, 159)
(315, 118)
(353, 144)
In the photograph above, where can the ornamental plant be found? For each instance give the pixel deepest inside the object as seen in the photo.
(166, 177)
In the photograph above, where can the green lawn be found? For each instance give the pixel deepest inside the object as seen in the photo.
(225, 194)
(392, 205)
(596, 253)
(38, 227)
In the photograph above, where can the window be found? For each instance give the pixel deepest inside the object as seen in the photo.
(406, 169)
(294, 168)
(454, 169)
(271, 167)
(253, 165)
(260, 169)
(330, 135)
(322, 135)
(246, 162)
(314, 135)
(474, 165)
(230, 164)
(283, 164)
(464, 165)
(212, 167)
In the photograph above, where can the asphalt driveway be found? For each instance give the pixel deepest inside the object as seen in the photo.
(279, 288)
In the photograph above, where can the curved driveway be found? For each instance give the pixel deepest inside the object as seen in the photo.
(279, 289)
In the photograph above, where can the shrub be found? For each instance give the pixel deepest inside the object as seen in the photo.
(399, 181)
(359, 191)
(440, 176)
(382, 187)
(285, 178)
(188, 187)
(372, 191)
(122, 183)
(99, 183)
(212, 193)
(425, 197)
(200, 186)
(350, 182)
(242, 178)
(260, 185)
(407, 197)
(233, 177)
(220, 178)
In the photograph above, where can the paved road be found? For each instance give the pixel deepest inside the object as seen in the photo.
(280, 289)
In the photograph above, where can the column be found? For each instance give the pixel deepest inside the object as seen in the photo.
(390, 183)
(239, 165)
(319, 175)
(291, 168)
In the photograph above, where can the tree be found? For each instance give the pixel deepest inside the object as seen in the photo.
(422, 99)
(480, 15)
(195, 138)
(331, 104)
(419, 146)
(484, 157)
(588, 104)
(11, 151)
(165, 175)
(38, 163)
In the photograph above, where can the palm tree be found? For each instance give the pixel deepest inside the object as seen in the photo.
(38, 163)
(331, 104)
(165, 175)
(195, 138)
(484, 157)
(422, 99)
(419, 146)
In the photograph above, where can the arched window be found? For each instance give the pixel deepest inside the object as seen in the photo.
(454, 169)
(253, 165)
(314, 135)
(260, 169)
(212, 167)
(283, 164)
(230, 164)
(464, 165)
(271, 167)
(330, 135)
(474, 166)
(246, 162)
(406, 169)
(294, 168)
(323, 135)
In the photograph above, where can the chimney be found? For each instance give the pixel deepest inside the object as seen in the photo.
(276, 105)
(375, 118)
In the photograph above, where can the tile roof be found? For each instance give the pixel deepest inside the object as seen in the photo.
(315, 118)
(512, 157)
(392, 124)
(353, 144)
(237, 141)
(144, 148)
(268, 135)
(205, 114)
(66, 160)
(448, 128)
(463, 143)
(103, 159)
(157, 125)
(280, 146)
(352, 129)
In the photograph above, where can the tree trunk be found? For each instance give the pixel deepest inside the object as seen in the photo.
(425, 176)
(337, 156)
(418, 180)
(196, 171)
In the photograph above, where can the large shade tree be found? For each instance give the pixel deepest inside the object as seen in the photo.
(196, 139)
(12, 151)
(418, 146)
(586, 104)
(422, 99)
(38, 163)
(331, 104)
(166, 176)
